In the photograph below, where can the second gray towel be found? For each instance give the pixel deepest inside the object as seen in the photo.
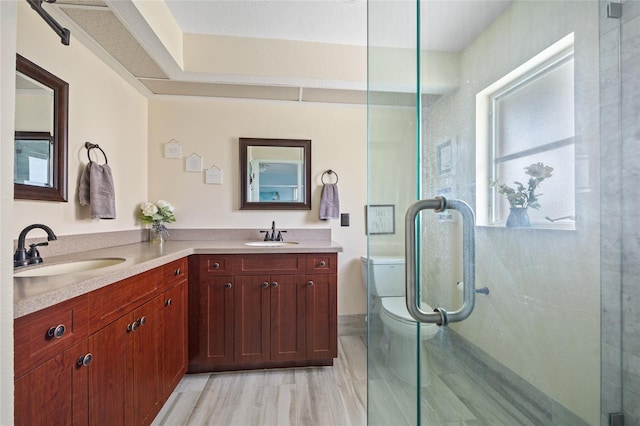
(329, 202)
(97, 190)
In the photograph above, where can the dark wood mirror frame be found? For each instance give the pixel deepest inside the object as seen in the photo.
(58, 191)
(305, 144)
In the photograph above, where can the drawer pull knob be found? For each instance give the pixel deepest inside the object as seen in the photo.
(323, 263)
(85, 360)
(216, 265)
(275, 284)
(177, 272)
(168, 302)
(56, 332)
(309, 283)
(228, 285)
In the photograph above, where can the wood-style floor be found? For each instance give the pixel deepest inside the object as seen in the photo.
(464, 387)
(319, 396)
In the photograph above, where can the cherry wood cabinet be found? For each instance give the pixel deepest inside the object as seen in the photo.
(321, 311)
(55, 391)
(111, 356)
(49, 381)
(174, 330)
(215, 329)
(261, 311)
(269, 320)
(126, 371)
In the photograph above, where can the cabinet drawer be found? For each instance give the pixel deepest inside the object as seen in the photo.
(216, 265)
(270, 264)
(109, 303)
(34, 334)
(175, 272)
(322, 263)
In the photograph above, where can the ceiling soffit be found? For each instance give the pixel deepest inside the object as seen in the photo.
(119, 29)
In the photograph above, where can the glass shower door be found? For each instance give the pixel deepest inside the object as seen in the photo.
(495, 104)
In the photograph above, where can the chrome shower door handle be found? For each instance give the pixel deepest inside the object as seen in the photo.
(440, 316)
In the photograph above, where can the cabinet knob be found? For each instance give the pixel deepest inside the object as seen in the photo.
(274, 284)
(228, 285)
(323, 263)
(56, 332)
(133, 326)
(85, 360)
(265, 284)
(309, 283)
(168, 302)
(216, 265)
(177, 272)
(142, 320)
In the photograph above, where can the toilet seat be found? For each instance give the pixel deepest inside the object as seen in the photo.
(395, 315)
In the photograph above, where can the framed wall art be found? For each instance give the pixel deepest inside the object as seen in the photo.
(380, 219)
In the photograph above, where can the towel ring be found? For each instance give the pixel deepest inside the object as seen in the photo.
(91, 146)
(328, 172)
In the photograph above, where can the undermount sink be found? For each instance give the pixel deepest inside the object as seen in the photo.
(68, 267)
(270, 243)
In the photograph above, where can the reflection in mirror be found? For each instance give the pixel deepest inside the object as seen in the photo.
(32, 159)
(275, 174)
(40, 146)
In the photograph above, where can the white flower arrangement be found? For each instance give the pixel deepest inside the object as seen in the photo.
(157, 214)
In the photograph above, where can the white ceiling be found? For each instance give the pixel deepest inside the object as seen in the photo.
(117, 28)
(446, 25)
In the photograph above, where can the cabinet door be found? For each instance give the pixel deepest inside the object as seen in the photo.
(107, 375)
(288, 318)
(215, 328)
(174, 330)
(321, 312)
(147, 362)
(252, 334)
(55, 392)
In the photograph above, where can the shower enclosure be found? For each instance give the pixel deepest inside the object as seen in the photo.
(508, 107)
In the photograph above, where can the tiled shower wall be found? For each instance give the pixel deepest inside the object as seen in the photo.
(620, 173)
(630, 109)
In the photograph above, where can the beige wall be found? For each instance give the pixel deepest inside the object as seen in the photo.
(103, 109)
(211, 128)
(7, 91)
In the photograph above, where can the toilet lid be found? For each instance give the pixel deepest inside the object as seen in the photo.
(397, 306)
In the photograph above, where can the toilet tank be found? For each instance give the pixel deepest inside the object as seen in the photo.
(386, 275)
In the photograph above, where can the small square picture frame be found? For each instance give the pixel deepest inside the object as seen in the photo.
(380, 219)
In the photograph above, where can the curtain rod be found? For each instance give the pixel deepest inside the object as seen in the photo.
(64, 33)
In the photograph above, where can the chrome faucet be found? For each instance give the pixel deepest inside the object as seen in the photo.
(273, 236)
(24, 258)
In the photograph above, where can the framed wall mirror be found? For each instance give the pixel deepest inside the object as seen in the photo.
(40, 144)
(275, 174)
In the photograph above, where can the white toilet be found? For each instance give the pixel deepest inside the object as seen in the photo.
(398, 343)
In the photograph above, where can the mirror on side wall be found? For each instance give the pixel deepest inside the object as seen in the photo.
(275, 174)
(40, 145)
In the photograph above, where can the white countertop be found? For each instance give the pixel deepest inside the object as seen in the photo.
(31, 294)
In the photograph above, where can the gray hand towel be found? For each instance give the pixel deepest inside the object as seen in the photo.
(329, 202)
(97, 190)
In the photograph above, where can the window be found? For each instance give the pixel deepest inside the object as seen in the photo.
(527, 117)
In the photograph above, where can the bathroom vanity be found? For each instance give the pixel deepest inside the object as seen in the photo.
(112, 344)
(115, 353)
(262, 310)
